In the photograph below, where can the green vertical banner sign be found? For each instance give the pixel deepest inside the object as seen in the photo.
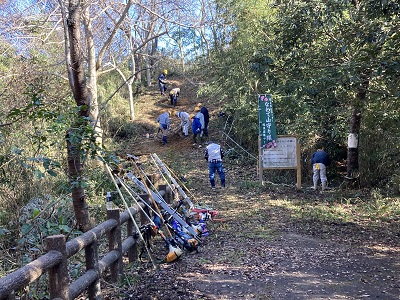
(267, 128)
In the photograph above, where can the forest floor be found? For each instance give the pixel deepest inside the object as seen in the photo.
(262, 244)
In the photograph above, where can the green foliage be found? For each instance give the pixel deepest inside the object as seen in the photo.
(35, 114)
(311, 58)
(3, 231)
(40, 218)
(343, 209)
(30, 154)
(383, 207)
(120, 128)
(249, 185)
(118, 105)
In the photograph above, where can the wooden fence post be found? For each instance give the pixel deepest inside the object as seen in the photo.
(58, 275)
(55, 261)
(143, 218)
(132, 252)
(92, 263)
(115, 243)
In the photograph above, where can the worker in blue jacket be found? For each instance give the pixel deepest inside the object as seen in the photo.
(164, 122)
(197, 124)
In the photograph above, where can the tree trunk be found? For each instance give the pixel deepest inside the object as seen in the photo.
(129, 83)
(74, 135)
(75, 170)
(352, 153)
(154, 49)
(355, 124)
(138, 65)
(94, 112)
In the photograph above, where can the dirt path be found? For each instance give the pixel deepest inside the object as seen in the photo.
(256, 253)
(258, 250)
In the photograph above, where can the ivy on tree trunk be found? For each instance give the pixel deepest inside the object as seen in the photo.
(74, 134)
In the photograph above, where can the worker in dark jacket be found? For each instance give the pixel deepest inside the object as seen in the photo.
(204, 111)
(320, 160)
(162, 84)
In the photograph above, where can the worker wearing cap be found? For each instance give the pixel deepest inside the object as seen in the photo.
(173, 95)
(164, 122)
(185, 121)
(162, 84)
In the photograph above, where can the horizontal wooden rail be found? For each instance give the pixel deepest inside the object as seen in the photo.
(80, 242)
(29, 273)
(55, 260)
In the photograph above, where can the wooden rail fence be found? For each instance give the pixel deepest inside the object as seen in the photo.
(55, 261)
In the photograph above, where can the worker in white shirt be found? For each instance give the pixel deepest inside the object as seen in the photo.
(185, 121)
(214, 155)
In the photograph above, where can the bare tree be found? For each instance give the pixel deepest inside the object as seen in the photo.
(97, 35)
(85, 94)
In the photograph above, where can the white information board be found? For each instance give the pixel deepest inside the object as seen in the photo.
(284, 155)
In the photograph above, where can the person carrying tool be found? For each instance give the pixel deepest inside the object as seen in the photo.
(173, 95)
(197, 124)
(214, 154)
(162, 84)
(164, 122)
(320, 160)
(185, 122)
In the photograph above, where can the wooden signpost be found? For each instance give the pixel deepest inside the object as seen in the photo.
(275, 152)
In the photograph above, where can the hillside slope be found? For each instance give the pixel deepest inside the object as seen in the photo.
(263, 245)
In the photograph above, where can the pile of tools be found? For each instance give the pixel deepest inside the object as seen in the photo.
(179, 222)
